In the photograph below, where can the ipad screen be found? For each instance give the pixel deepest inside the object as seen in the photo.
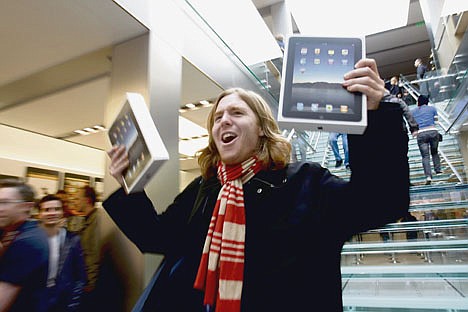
(314, 75)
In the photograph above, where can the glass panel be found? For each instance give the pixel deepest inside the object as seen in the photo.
(261, 73)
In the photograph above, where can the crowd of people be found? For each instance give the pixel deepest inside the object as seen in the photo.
(45, 265)
(421, 120)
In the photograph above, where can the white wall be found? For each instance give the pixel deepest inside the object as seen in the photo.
(186, 177)
(20, 149)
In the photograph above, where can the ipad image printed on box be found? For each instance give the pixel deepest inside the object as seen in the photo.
(312, 96)
(134, 128)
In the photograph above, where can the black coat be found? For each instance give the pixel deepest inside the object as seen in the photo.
(297, 220)
(66, 295)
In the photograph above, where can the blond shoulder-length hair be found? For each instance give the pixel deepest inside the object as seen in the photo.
(273, 151)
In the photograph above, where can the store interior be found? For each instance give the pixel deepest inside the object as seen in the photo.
(66, 66)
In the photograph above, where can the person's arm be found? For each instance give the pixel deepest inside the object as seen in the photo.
(8, 294)
(380, 169)
(136, 216)
(412, 123)
(378, 191)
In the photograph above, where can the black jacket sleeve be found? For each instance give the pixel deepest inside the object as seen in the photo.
(136, 217)
(378, 191)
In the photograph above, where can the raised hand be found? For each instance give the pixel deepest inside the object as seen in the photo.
(365, 78)
(119, 162)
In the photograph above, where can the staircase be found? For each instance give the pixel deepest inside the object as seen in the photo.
(420, 265)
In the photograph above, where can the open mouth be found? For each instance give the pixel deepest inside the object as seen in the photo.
(228, 137)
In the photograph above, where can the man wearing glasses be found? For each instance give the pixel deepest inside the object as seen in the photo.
(23, 250)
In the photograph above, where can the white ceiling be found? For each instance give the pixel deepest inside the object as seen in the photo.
(39, 34)
(55, 62)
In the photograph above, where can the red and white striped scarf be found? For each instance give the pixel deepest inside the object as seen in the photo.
(221, 270)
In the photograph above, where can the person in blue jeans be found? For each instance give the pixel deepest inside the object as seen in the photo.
(427, 136)
(333, 141)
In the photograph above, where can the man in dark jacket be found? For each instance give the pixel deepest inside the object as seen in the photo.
(420, 72)
(67, 274)
(23, 251)
(255, 233)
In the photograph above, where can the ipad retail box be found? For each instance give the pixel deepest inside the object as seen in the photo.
(312, 96)
(135, 129)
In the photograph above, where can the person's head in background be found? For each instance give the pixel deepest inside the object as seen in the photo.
(423, 100)
(394, 80)
(242, 125)
(16, 202)
(87, 200)
(280, 39)
(50, 211)
(417, 62)
(67, 208)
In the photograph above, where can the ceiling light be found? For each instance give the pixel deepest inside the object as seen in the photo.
(347, 18)
(204, 102)
(81, 132)
(90, 130)
(190, 105)
(87, 130)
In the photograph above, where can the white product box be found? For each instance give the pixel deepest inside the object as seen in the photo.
(134, 128)
(312, 96)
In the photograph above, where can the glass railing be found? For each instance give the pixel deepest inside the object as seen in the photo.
(265, 74)
(447, 89)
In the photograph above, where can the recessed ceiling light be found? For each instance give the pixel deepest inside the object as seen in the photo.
(90, 130)
(81, 132)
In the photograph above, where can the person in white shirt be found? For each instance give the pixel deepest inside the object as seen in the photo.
(67, 275)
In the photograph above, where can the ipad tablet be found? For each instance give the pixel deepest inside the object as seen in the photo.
(312, 94)
(134, 128)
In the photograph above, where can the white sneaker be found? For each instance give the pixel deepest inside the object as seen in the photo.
(428, 180)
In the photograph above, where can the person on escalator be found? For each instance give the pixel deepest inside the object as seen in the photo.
(333, 142)
(428, 137)
(408, 98)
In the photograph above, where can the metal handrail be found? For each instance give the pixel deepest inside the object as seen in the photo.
(319, 134)
(325, 155)
(306, 142)
(442, 115)
(410, 88)
(454, 170)
(433, 78)
(402, 246)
